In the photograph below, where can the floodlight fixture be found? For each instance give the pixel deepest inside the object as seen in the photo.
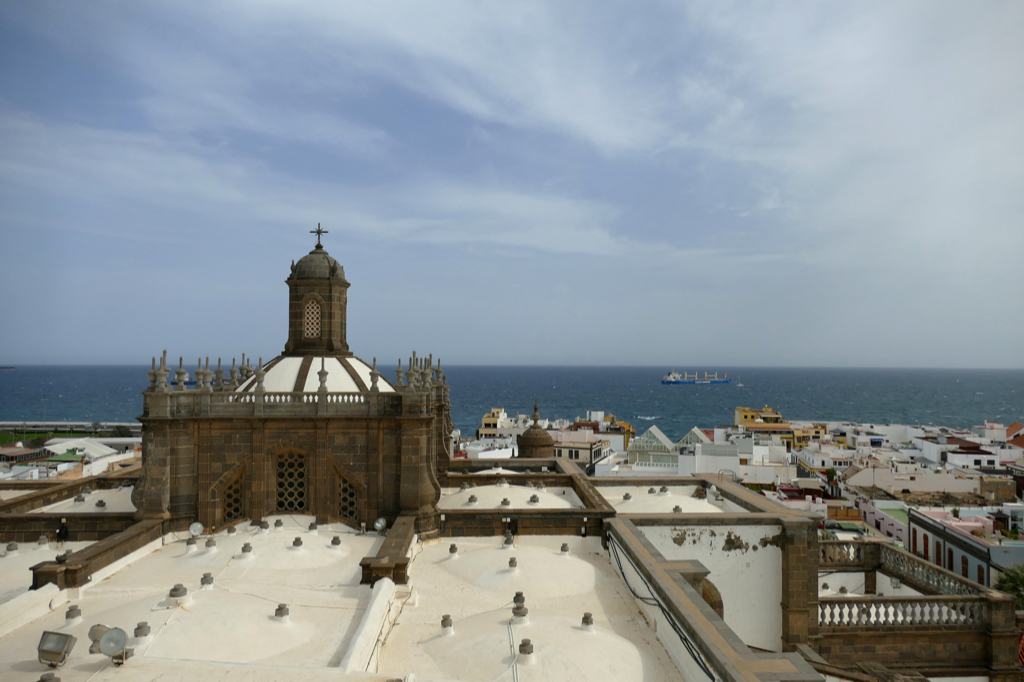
(54, 647)
(380, 525)
(112, 644)
(196, 529)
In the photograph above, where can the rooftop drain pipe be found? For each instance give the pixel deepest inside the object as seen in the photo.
(446, 626)
(73, 616)
(336, 541)
(453, 552)
(190, 545)
(281, 613)
(588, 622)
(525, 652)
(178, 596)
(519, 610)
(206, 582)
(142, 633)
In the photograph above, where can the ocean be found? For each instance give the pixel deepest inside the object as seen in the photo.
(947, 397)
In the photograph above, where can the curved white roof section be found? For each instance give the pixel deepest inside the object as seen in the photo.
(286, 374)
(490, 497)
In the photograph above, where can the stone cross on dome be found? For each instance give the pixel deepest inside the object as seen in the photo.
(318, 231)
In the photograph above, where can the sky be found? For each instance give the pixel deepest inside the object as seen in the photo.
(567, 183)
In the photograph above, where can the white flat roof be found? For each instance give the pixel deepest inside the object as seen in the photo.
(644, 502)
(118, 500)
(490, 497)
(15, 567)
(228, 625)
(477, 589)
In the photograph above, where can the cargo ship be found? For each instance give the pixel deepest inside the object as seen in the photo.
(675, 377)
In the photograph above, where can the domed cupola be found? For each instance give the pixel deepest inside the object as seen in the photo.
(317, 305)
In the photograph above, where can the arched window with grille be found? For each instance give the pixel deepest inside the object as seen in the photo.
(291, 482)
(311, 320)
(233, 500)
(348, 501)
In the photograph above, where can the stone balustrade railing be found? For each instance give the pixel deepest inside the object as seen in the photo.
(832, 553)
(924, 575)
(947, 612)
(231, 404)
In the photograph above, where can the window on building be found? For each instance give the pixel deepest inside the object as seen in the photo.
(926, 557)
(963, 565)
(949, 560)
(981, 574)
(977, 462)
(913, 541)
(938, 553)
(311, 321)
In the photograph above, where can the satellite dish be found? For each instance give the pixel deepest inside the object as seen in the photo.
(380, 524)
(196, 529)
(113, 641)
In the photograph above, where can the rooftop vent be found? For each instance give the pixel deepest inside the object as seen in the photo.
(588, 622)
(73, 615)
(211, 543)
(278, 524)
(281, 613)
(651, 491)
(142, 630)
(534, 499)
(627, 497)
(43, 541)
(506, 503)
(464, 486)
(472, 499)
(296, 543)
(101, 504)
(540, 484)
(312, 527)
(336, 541)
(178, 591)
(446, 624)
(565, 548)
(824, 586)
(664, 490)
(264, 525)
(247, 548)
(512, 563)
(86, 490)
(677, 509)
(525, 650)
(232, 530)
(12, 547)
(206, 580)
(62, 558)
(508, 539)
(453, 551)
(79, 498)
(502, 482)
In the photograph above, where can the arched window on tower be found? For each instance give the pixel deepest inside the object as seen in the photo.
(311, 321)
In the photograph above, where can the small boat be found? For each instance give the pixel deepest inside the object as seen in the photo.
(675, 377)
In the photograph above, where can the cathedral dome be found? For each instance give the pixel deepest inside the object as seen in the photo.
(536, 442)
(317, 263)
(288, 374)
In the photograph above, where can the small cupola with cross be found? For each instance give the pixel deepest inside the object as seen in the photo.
(317, 304)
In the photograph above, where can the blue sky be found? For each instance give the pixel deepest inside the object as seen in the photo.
(697, 184)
